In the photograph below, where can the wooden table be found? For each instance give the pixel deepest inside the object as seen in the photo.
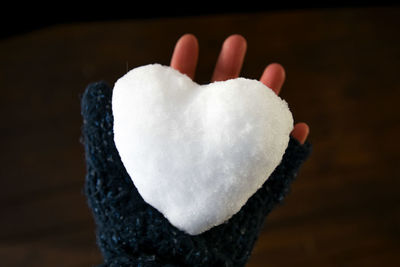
(342, 78)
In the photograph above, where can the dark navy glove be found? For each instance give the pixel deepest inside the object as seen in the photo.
(130, 232)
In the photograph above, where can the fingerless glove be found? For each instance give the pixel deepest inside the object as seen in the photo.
(130, 232)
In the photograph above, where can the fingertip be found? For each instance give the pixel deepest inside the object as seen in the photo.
(279, 69)
(306, 129)
(274, 76)
(300, 132)
(230, 59)
(185, 55)
(237, 43)
(189, 38)
(236, 38)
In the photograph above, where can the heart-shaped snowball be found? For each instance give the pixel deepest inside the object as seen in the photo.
(195, 152)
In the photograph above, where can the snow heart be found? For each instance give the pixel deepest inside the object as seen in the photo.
(195, 152)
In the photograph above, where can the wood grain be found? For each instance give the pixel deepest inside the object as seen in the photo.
(342, 79)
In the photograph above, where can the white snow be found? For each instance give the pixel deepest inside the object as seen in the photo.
(197, 153)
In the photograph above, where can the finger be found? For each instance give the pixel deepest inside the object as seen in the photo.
(185, 55)
(300, 132)
(273, 77)
(230, 59)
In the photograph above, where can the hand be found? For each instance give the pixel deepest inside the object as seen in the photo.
(229, 64)
(130, 232)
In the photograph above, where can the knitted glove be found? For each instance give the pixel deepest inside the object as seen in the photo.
(130, 232)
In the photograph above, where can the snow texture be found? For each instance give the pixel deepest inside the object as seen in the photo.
(195, 152)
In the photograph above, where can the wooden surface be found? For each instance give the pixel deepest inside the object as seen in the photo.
(342, 78)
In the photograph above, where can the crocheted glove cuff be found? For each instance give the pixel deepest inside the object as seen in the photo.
(130, 232)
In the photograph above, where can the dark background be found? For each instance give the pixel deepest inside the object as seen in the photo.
(342, 68)
(18, 18)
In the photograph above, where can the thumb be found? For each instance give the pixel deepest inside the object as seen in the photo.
(97, 130)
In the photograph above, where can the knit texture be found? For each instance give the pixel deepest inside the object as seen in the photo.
(132, 233)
